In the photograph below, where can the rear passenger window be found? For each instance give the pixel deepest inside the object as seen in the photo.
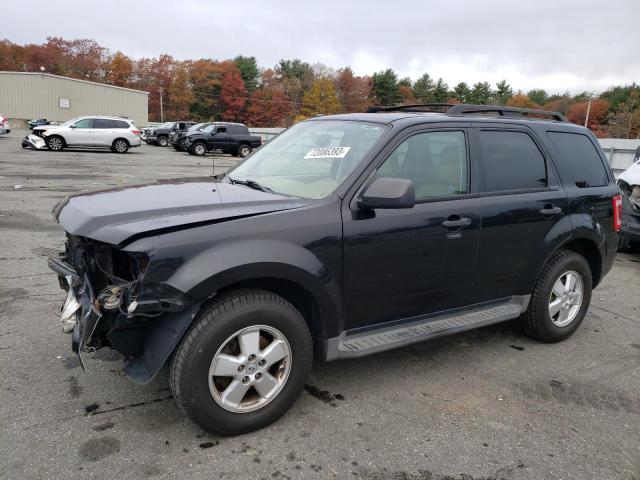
(580, 164)
(511, 161)
(436, 162)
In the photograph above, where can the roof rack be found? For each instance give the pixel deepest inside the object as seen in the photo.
(462, 109)
(465, 109)
(417, 107)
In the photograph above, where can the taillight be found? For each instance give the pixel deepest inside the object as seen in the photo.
(617, 212)
(135, 132)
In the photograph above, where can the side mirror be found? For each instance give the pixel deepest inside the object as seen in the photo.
(388, 193)
(72, 126)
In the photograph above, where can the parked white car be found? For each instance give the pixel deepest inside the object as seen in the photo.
(4, 125)
(118, 134)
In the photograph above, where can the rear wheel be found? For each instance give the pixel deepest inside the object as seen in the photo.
(120, 145)
(163, 141)
(243, 363)
(560, 299)
(55, 143)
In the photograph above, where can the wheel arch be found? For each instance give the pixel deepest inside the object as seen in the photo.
(588, 248)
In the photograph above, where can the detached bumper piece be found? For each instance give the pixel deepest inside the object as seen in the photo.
(34, 142)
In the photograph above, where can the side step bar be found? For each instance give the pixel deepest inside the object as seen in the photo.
(418, 329)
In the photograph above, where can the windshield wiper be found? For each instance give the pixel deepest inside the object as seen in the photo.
(251, 184)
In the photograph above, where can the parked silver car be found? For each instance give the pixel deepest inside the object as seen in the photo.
(118, 134)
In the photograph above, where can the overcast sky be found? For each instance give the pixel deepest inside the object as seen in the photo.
(558, 45)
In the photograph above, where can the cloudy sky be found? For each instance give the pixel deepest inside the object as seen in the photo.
(558, 45)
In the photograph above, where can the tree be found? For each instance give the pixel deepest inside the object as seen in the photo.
(249, 70)
(119, 70)
(384, 88)
(321, 99)
(233, 96)
(179, 95)
(503, 92)
(481, 93)
(461, 91)
(441, 91)
(268, 108)
(423, 89)
(352, 91)
(538, 96)
(520, 100)
(578, 113)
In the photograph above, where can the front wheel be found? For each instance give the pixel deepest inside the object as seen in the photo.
(560, 298)
(55, 143)
(243, 362)
(163, 141)
(244, 150)
(199, 149)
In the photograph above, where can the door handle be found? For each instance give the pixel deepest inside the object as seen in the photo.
(456, 222)
(550, 210)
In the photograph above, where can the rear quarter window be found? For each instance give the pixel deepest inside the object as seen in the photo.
(580, 163)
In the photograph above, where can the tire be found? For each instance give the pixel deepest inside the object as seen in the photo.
(120, 145)
(199, 149)
(538, 321)
(243, 150)
(55, 143)
(216, 328)
(163, 141)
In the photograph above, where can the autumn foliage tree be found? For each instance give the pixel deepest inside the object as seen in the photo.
(233, 96)
(321, 99)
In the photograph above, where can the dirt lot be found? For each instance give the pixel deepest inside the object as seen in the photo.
(488, 404)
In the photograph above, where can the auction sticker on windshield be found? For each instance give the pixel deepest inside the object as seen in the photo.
(327, 152)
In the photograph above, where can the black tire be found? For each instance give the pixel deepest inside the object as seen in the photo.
(55, 143)
(536, 321)
(211, 328)
(199, 149)
(163, 141)
(120, 145)
(243, 150)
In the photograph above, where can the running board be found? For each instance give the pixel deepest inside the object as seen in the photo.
(349, 345)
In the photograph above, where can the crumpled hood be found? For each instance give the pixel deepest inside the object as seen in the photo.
(632, 174)
(115, 215)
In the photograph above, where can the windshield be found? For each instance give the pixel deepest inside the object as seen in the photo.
(69, 122)
(208, 129)
(196, 127)
(311, 159)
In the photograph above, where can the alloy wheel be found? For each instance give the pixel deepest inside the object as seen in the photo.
(55, 143)
(566, 298)
(199, 149)
(121, 146)
(250, 369)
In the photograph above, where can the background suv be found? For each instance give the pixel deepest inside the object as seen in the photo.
(118, 134)
(344, 236)
(160, 135)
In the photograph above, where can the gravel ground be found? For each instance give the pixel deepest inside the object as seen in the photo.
(487, 404)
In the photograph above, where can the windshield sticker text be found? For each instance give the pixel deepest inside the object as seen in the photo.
(327, 152)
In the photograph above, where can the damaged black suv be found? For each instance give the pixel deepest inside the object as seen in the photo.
(344, 236)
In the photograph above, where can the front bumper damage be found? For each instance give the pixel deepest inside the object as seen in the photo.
(102, 309)
(629, 183)
(34, 142)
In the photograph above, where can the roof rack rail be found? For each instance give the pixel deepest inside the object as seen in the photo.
(416, 107)
(462, 109)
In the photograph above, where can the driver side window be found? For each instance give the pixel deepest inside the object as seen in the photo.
(84, 123)
(436, 162)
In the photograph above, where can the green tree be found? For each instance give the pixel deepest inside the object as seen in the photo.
(503, 92)
(249, 70)
(441, 91)
(481, 93)
(385, 88)
(461, 91)
(423, 89)
(538, 96)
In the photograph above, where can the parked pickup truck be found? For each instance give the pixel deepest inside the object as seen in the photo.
(233, 138)
(160, 135)
(176, 137)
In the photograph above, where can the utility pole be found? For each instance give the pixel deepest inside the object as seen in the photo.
(586, 119)
(162, 115)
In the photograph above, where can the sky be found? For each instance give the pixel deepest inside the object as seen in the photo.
(558, 45)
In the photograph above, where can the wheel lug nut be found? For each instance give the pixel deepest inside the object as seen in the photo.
(245, 379)
(262, 362)
(252, 357)
(241, 368)
(258, 376)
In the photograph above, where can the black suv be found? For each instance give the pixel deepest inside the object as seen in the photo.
(344, 236)
(233, 138)
(160, 135)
